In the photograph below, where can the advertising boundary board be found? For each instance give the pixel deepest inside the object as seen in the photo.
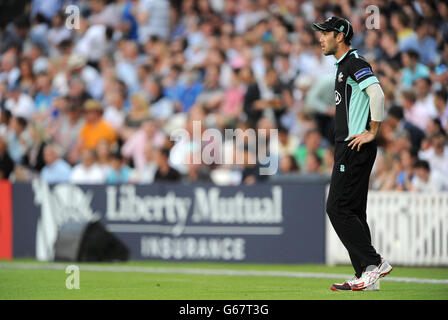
(269, 223)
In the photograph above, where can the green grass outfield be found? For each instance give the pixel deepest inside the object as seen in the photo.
(28, 279)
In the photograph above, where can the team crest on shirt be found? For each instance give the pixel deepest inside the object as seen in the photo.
(340, 76)
(337, 97)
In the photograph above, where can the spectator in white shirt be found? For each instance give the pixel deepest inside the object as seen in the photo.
(56, 169)
(95, 43)
(77, 66)
(153, 17)
(104, 12)
(10, 71)
(437, 155)
(425, 99)
(413, 112)
(88, 171)
(441, 104)
(161, 107)
(426, 180)
(57, 33)
(146, 173)
(19, 104)
(114, 113)
(103, 156)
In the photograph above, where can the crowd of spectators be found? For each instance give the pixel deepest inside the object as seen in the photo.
(95, 98)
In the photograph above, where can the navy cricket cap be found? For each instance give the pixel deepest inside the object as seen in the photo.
(335, 24)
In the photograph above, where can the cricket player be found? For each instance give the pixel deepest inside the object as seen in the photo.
(359, 112)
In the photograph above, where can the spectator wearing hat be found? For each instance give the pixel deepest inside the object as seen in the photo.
(77, 66)
(95, 128)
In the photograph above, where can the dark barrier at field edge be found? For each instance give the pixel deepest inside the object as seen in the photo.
(271, 223)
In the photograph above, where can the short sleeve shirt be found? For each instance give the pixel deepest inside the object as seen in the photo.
(353, 75)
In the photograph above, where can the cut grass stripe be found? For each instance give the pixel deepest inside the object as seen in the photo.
(199, 271)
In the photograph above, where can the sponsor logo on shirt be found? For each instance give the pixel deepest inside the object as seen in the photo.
(362, 73)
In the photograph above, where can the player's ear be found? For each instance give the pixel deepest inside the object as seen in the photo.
(340, 37)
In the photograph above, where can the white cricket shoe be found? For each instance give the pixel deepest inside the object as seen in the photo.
(373, 287)
(347, 285)
(372, 275)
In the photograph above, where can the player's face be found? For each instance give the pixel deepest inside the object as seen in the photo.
(328, 43)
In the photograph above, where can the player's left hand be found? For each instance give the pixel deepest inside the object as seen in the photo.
(360, 139)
